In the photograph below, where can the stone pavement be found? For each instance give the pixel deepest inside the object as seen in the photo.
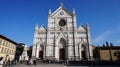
(47, 65)
(57, 65)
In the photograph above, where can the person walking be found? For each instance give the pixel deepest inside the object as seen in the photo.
(1, 62)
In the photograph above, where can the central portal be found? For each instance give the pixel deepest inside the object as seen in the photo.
(62, 49)
(62, 54)
(41, 55)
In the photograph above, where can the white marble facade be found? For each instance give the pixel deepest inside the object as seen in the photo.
(62, 39)
(24, 55)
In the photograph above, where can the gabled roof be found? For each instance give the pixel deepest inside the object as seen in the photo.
(42, 28)
(6, 38)
(63, 8)
(61, 35)
(81, 28)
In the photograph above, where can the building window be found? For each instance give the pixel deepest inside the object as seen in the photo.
(0, 41)
(8, 51)
(13, 47)
(5, 43)
(12, 52)
(5, 50)
(2, 49)
(10, 45)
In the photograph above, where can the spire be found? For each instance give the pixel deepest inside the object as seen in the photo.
(36, 27)
(73, 11)
(61, 4)
(49, 11)
(87, 26)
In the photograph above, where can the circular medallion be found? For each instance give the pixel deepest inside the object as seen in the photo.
(61, 13)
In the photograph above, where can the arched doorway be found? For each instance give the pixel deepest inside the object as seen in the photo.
(83, 52)
(41, 52)
(62, 53)
(62, 49)
(41, 55)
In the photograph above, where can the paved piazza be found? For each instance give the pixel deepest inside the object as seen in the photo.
(57, 65)
(47, 65)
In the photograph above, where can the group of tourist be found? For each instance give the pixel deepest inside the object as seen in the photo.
(6, 63)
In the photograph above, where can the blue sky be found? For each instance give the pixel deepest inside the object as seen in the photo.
(19, 17)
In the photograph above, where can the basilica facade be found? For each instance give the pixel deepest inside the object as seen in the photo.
(62, 39)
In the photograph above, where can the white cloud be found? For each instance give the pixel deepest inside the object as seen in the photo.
(102, 37)
(118, 41)
(118, 26)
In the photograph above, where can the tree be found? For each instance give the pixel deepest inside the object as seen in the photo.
(103, 45)
(107, 44)
(111, 44)
(19, 51)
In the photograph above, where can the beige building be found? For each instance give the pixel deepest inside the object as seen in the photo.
(7, 48)
(107, 53)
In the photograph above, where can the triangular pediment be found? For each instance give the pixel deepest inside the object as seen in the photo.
(81, 28)
(42, 28)
(61, 12)
(61, 35)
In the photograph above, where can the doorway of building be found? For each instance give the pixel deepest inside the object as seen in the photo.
(83, 51)
(62, 54)
(83, 55)
(41, 55)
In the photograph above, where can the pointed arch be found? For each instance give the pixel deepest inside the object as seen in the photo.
(61, 35)
(62, 49)
(62, 43)
(83, 50)
(39, 48)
